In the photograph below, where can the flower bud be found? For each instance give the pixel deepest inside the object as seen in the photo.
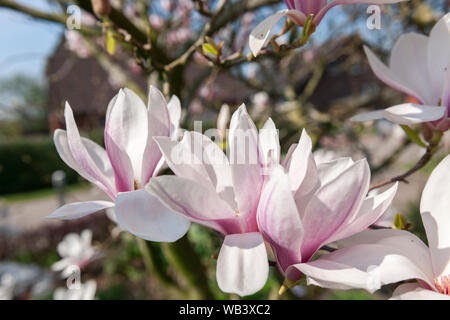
(101, 7)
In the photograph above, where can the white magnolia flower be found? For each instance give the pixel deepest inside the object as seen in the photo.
(7, 284)
(419, 67)
(75, 250)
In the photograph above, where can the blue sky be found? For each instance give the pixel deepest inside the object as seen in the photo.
(25, 43)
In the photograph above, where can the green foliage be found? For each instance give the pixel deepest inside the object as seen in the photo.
(28, 164)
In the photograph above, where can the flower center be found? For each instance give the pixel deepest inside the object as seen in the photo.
(237, 212)
(443, 284)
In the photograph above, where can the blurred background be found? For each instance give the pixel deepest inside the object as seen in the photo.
(317, 87)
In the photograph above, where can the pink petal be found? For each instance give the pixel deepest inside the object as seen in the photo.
(371, 210)
(198, 158)
(159, 124)
(246, 165)
(279, 220)
(196, 202)
(334, 205)
(81, 155)
(124, 138)
(386, 256)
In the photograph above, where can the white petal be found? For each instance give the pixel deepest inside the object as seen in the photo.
(409, 63)
(79, 209)
(270, 143)
(242, 265)
(439, 53)
(143, 215)
(174, 107)
(328, 171)
(410, 114)
(434, 207)
(413, 291)
(386, 75)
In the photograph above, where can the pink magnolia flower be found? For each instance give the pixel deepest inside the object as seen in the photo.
(374, 258)
(130, 160)
(420, 67)
(305, 206)
(298, 11)
(222, 193)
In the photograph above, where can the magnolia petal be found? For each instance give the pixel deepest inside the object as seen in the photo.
(333, 206)
(328, 171)
(194, 201)
(371, 210)
(127, 126)
(143, 215)
(368, 116)
(413, 291)
(439, 53)
(242, 265)
(81, 155)
(198, 158)
(301, 164)
(159, 124)
(247, 164)
(409, 63)
(174, 107)
(279, 219)
(434, 207)
(259, 35)
(62, 147)
(124, 123)
(410, 114)
(79, 209)
(270, 143)
(369, 266)
(387, 75)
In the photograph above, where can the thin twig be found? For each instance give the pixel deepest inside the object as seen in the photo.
(423, 161)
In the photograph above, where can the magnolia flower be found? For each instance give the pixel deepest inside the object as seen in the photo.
(75, 250)
(130, 160)
(305, 206)
(7, 285)
(85, 291)
(420, 67)
(374, 258)
(298, 11)
(222, 193)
